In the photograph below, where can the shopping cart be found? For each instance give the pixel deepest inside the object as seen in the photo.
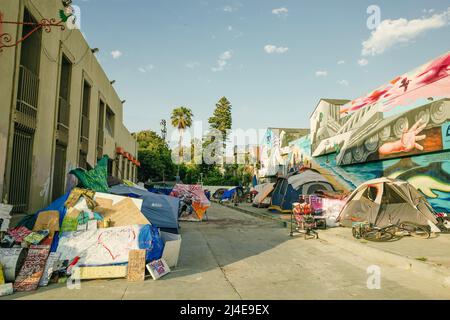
(303, 221)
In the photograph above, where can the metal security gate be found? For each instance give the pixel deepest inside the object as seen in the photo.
(19, 186)
(24, 119)
(59, 175)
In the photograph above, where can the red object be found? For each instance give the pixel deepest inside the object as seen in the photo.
(72, 264)
(120, 150)
(6, 40)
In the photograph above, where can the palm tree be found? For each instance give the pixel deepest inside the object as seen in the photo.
(181, 119)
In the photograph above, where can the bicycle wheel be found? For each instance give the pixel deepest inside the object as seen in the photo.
(355, 233)
(415, 230)
(378, 236)
(311, 234)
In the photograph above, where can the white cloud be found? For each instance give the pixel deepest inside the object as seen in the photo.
(363, 62)
(222, 62)
(344, 83)
(230, 28)
(391, 32)
(280, 11)
(341, 62)
(321, 73)
(192, 65)
(428, 10)
(116, 54)
(147, 68)
(230, 8)
(274, 49)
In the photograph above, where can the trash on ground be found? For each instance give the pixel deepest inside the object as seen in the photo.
(158, 268)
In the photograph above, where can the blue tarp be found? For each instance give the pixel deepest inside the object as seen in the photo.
(255, 181)
(165, 191)
(150, 240)
(57, 205)
(228, 195)
(160, 210)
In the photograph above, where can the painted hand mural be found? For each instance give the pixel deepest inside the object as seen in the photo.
(408, 142)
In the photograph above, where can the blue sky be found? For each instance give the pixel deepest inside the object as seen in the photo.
(272, 59)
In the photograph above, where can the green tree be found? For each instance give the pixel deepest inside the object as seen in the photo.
(155, 157)
(181, 119)
(221, 118)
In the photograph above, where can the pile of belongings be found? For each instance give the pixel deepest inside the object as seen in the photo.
(195, 196)
(86, 234)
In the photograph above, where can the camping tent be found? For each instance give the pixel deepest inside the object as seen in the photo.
(228, 195)
(262, 199)
(219, 193)
(289, 188)
(160, 210)
(199, 201)
(378, 201)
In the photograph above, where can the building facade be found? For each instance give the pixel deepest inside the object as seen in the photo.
(274, 151)
(59, 109)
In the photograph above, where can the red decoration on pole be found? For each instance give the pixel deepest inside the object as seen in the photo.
(45, 24)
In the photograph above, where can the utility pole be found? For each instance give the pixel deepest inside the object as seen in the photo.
(163, 125)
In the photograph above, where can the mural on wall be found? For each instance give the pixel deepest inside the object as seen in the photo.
(409, 116)
(429, 173)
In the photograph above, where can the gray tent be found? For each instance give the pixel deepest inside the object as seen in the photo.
(378, 201)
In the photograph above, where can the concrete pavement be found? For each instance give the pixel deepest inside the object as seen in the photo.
(238, 256)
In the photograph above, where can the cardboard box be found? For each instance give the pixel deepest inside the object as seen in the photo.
(172, 245)
(106, 272)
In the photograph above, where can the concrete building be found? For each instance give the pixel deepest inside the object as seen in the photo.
(59, 109)
(275, 150)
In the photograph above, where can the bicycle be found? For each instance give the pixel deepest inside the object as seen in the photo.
(391, 232)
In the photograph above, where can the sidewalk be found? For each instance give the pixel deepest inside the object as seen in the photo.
(431, 256)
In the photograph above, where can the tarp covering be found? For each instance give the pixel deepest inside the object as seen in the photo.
(384, 201)
(264, 191)
(165, 191)
(110, 246)
(96, 179)
(57, 205)
(199, 201)
(228, 195)
(160, 210)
